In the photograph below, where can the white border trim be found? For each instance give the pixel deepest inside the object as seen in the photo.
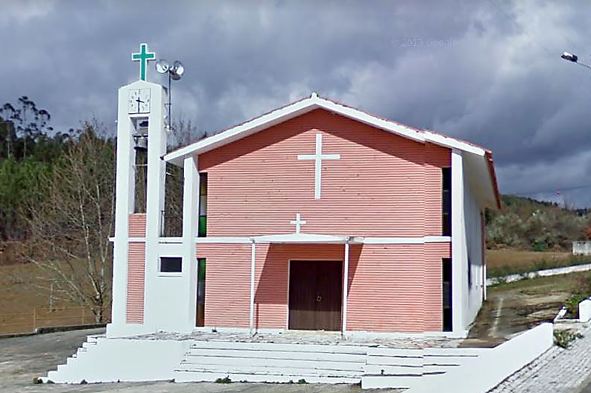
(307, 105)
(320, 239)
(209, 240)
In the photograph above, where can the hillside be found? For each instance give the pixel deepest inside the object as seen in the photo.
(528, 224)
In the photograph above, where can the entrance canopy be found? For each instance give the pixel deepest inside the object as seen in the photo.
(305, 238)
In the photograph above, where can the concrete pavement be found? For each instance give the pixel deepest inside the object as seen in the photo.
(558, 370)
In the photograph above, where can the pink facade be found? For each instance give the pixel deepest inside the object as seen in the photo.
(408, 276)
(383, 186)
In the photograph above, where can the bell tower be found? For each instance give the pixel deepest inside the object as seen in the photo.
(140, 188)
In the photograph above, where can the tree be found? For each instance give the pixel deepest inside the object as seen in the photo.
(70, 225)
(24, 124)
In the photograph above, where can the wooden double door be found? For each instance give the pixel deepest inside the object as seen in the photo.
(315, 295)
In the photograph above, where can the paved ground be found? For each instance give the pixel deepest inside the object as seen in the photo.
(557, 370)
(23, 358)
(313, 337)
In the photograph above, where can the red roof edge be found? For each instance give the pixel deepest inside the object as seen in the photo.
(491, 169)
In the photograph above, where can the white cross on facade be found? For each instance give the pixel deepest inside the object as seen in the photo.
(318, 157)
(298, 223)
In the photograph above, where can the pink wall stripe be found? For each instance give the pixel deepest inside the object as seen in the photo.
(135, 282)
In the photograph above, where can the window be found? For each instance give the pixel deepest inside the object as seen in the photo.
(447, 298)
(446, 202)
(201, 292)
(171, 264)
(202, 205)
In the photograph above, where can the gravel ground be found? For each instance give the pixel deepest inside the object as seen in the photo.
(314, 337)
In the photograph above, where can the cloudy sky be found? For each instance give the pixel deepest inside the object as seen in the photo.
(487, 71)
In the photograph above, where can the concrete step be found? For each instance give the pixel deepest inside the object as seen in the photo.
(317, 348)
(281, 371)
(248, 353)
(188, 376)
(380, 369)
(263, 362)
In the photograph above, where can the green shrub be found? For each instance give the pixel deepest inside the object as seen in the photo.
(572, 305)
(226, 379)
(564, 338)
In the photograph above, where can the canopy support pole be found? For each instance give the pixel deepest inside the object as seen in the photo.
(252, 260)
(345, 285)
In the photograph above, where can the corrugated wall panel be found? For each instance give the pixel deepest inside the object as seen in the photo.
(135, 282)
(376, 188)
(137, 225)
(227, 284)
(392, 288)
(434, 254)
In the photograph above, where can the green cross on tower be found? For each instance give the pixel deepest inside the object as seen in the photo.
(143, 57)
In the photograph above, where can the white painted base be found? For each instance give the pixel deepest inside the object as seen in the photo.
(103, 359)
(585, 310)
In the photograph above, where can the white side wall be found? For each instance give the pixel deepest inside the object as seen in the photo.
(459, 253)
(474, 284)
(467, 283)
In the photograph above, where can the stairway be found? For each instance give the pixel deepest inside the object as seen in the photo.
(267, 362)
(69, 371)
(111, 360)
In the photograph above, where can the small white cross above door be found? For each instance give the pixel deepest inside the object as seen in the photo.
(298, 223)
(318, 157)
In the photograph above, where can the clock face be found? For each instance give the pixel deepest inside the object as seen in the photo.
(139, 101)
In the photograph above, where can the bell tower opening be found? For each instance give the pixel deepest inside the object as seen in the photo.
(140, 139)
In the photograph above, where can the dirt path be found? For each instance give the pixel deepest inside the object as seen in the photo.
(515, 307)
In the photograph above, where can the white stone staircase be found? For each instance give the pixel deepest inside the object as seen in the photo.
(412, 368)
(445, 370)
(268, 362)
(110, 360)
(76, 361)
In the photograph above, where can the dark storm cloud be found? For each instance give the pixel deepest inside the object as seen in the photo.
(485, 71)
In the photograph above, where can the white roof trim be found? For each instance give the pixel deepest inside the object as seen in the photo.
(307, 105)
(452, 143)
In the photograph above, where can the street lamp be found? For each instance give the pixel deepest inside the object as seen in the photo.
(573, 58)
(174, 71)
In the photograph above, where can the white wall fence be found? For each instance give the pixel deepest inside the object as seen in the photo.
(582, 248)
(493, 365)
(539, 273)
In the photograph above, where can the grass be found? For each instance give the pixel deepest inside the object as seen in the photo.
(517, 306)
(539, 286)
(22, 306)
(504, 262)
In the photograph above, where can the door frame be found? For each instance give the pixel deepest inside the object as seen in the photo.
(289, 280)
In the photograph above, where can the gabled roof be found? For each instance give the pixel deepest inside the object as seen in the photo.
(316, 102)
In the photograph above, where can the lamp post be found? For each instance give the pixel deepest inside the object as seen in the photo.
(574, 58)
(174, 71)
